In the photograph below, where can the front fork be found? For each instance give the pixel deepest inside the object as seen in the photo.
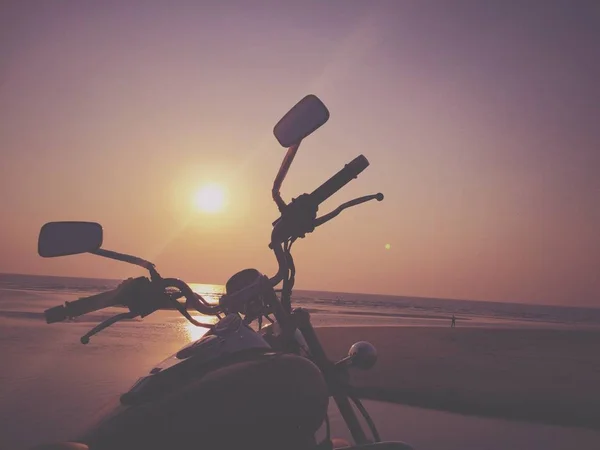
(332, 374)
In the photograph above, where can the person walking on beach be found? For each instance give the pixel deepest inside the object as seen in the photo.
(453, 321)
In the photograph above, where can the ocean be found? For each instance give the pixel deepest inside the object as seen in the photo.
(328, 308)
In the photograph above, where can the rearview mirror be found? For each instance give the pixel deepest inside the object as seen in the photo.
(69, 238)
(363, 355)
(300, 121)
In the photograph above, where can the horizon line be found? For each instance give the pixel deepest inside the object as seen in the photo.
(340, 292)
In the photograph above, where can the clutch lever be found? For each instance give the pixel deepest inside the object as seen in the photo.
(107, 323)
(357, 201)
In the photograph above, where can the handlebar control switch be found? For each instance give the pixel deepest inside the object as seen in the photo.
(142, 297)
(297, 219)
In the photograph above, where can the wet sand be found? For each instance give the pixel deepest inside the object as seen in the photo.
(540, 375)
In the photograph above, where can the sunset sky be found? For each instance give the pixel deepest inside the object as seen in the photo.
(481, 121)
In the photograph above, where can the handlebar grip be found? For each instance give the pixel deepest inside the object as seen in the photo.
(81, 306)
(55, 314)
(339, 180)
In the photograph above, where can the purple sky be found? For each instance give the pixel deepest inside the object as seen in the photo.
(481, 120)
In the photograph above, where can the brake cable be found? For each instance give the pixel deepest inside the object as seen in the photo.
(288, 281)
(366, 416)
(183, 311)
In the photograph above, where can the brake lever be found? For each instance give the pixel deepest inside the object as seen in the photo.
(357, 201)
(107, 323)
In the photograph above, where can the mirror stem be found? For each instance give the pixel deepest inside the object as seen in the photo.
(128, 259)
(283, 170)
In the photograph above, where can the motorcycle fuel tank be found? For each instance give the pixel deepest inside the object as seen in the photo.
(229, 340)
(227, 389)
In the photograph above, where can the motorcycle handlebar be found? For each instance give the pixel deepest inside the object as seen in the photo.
(132, 290)
(339, 180)
(111, 298)
(82, 306)
(318, 196)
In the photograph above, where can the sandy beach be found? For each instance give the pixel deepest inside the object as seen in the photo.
(541, 375)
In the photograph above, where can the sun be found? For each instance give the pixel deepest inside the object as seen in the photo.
(210, 198)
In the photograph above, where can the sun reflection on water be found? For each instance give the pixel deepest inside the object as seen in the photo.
(210, 293)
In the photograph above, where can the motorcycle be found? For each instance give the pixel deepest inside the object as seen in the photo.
(241, 384)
